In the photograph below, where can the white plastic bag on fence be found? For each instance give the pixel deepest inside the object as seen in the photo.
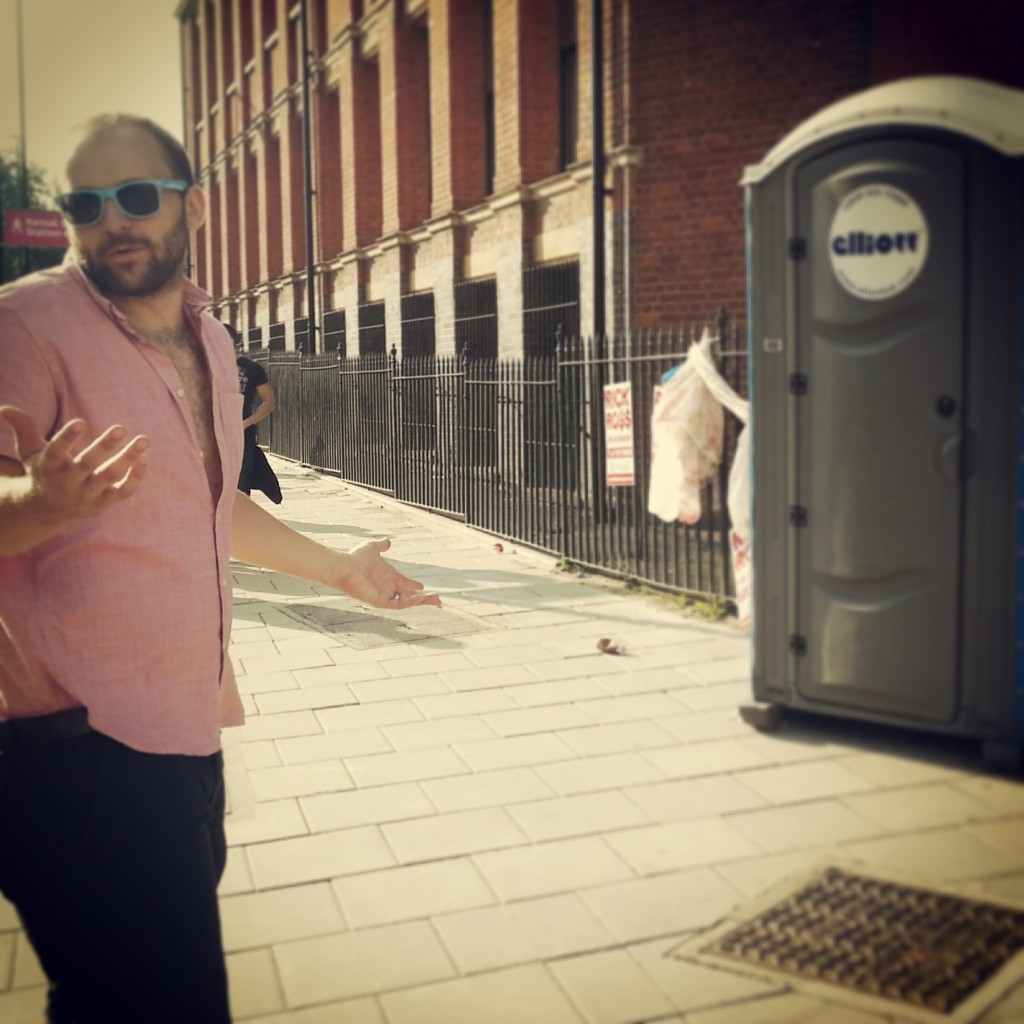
(687, 439)
(687, 431)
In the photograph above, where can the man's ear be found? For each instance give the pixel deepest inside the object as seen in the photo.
(195, 208)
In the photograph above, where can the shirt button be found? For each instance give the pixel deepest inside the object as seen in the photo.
(201, 454)
(180, 392)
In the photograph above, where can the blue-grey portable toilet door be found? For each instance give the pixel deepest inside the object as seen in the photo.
(879, 358)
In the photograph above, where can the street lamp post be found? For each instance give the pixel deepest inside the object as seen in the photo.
(21, 125)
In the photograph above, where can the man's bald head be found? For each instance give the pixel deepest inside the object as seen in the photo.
(97, 129)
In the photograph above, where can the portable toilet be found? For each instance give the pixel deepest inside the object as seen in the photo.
(885, 246)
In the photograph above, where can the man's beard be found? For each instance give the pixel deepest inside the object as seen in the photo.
(165, 264)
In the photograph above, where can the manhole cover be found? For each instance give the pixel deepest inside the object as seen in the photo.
(915, 946)
(361, 628)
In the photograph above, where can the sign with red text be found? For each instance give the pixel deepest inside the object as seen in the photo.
(618, 435)
(35, 228)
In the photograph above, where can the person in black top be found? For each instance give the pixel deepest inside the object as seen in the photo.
(252, 382)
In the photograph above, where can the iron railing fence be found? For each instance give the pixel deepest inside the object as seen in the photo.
(515, 446)
(610, 527)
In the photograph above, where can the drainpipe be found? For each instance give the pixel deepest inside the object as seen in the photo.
(601, 511)
(597, 157)
(186, 97)
(307, 174)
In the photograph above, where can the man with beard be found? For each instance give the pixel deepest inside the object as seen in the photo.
(120, 445)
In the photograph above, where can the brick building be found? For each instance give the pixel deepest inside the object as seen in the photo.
(450, 148)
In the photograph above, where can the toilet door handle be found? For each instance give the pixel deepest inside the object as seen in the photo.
(958, 457)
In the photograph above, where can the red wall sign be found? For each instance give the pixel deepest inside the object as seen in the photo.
(35, 227)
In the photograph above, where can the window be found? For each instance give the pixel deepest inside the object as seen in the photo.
(275, 256)
(334, 332)
(252, 218)
(373, 339)
(233, 239)
(245, 30)
(227, 41)
(319, 27)
(327, 110)
(423, 32)
(568, 84)
(196, 80)
(268, 17)
(295, 49)
(210, 47)
(215, 279)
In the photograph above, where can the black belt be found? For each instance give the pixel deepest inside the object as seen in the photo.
(61, 725)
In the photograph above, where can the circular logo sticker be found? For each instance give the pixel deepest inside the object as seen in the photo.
(878, 242)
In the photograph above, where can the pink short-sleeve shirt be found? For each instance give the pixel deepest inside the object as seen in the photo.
(128, 613)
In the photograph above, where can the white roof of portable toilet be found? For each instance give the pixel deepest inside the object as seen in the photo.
(992, 114)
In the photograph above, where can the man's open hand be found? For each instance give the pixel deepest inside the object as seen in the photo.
(72, 478)
(375, 582)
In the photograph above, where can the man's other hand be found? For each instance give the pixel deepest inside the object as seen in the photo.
(375, 582)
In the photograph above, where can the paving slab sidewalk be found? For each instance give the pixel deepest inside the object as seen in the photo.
(473, 816)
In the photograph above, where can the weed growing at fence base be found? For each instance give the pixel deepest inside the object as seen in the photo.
(711, 610)
(567, 565)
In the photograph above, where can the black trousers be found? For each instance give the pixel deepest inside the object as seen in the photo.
(112, 858)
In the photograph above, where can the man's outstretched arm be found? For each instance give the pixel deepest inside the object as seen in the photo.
(261, 539)
(49, 486)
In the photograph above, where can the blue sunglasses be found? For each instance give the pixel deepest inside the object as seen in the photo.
(139, 199)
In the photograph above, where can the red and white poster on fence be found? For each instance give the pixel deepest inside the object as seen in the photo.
(618, 435)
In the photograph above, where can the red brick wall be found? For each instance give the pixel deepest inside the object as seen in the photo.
(538, 89)
(457, 105)
(360, 152)
(216, 284)
(253, 211)
(271, 240)
(405, 114)
(328, 166)
(714, 86)
(233, 261)
(698, 91)
(293, 187)
(525, 91)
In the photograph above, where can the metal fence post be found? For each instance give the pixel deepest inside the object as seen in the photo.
(394, 416)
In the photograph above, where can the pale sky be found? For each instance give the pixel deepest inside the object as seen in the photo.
(85, 57)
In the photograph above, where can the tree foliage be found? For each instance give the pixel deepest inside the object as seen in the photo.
(20, 260)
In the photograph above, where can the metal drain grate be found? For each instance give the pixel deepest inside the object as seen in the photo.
(917, 947)
(363, 629)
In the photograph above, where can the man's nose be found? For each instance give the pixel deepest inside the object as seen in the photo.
(112, 216)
